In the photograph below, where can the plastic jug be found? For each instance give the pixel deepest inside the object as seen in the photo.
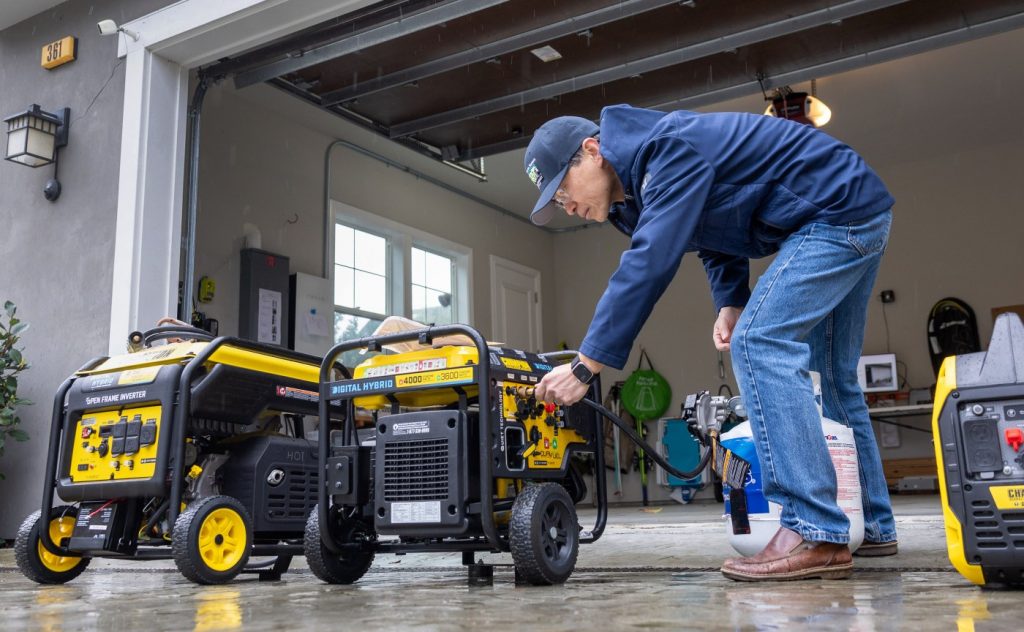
(764, 515)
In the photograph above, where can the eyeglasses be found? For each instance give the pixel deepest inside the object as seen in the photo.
(561, 198)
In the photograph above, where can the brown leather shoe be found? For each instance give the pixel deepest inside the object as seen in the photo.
(877, 549)
(788, 556)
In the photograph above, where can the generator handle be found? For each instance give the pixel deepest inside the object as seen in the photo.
(52, 456)
(561, 356)
(425, 336)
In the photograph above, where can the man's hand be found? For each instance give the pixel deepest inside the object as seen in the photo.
(560, 386)
(727, 317)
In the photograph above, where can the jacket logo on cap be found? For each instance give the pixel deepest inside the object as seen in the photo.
(534, 174)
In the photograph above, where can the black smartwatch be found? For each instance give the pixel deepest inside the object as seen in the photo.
(582, 372)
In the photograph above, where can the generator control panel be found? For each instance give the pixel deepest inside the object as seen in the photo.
(536, 435)
(993, 434)
(115, 445)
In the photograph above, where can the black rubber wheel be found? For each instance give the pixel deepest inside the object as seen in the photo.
(331, 567)
(544, 534)
(212, 540)
(37, 563)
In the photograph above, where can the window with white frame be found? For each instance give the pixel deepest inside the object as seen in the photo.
(432, 283)
(382, 268)
(361, 281)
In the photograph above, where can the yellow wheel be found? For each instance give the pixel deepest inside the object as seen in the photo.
(222, 539)
(35, 561)
(212, 540)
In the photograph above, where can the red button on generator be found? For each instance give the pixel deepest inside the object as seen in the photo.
(1014, 437)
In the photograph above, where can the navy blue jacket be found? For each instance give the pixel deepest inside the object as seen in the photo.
(728, 186)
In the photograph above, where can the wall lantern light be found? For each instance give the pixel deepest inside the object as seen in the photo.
(33, 138)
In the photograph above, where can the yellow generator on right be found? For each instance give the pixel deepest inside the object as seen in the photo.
(978, 425)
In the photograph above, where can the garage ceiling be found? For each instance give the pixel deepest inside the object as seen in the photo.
(457, 79)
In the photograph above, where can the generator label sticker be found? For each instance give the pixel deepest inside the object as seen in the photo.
(428, 364)
(360, 387)
(410, 427)
(297, 393)
(519, 365)
(1008, 496)
(407, 513)
(117, 398)
(100, 382)
(161, 355)
(132, 377)
(450, 376)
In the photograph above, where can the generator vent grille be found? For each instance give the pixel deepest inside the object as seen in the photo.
(295, 497)
(416, 470)
(1014, 523)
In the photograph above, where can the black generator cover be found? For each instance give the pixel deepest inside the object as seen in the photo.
(275, 477)
(423, 473)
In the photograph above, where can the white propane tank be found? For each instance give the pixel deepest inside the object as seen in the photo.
(764, 515)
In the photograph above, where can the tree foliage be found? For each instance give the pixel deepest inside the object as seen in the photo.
(11, 365)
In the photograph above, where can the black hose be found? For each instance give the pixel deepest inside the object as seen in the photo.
(637, 439)
(175, 331)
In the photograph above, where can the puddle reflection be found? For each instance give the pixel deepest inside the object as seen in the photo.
(218, 609)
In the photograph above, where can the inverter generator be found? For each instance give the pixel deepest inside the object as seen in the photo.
(978, 425)
(193, 450)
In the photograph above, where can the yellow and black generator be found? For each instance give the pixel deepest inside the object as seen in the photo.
(193, 450)
(460, 457)
(978, 425)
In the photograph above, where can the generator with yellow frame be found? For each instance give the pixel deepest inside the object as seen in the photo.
(978, 426)
(193, 450)
(460, 457)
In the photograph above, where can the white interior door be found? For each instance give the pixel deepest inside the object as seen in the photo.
(515, 305)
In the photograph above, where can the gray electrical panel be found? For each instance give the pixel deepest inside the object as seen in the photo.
(263, 297)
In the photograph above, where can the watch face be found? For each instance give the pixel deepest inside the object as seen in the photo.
(582, 372)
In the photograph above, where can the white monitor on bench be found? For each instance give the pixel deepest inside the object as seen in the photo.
(877, 373)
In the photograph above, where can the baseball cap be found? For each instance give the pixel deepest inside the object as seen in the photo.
(547, 159)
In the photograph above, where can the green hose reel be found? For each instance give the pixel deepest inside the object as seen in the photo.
(646, 394)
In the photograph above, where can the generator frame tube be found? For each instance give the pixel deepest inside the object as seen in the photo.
(179, 425)
(52, 455)
(175, 469)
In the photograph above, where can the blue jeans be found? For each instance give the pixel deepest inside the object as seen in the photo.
(808, 312)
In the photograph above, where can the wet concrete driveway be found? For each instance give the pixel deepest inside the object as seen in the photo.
(650, 570)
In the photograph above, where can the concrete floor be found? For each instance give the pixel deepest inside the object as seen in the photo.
(649, 570)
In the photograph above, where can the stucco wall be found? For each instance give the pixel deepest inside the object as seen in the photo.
(56, 257)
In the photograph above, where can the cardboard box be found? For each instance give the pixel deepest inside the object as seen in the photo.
(1017, 309)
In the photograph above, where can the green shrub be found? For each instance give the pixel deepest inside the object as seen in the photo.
(11, 364)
